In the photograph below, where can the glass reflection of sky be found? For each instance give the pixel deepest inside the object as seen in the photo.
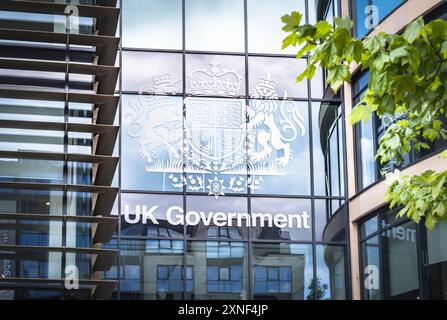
(264, 24)
(216, 25)
(152, 24)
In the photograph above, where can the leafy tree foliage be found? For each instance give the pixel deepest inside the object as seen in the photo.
(408, 80)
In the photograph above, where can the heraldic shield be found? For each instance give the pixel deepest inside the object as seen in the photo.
(215, 131)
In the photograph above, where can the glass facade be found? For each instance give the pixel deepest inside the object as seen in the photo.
(390, 258)
(228, 175)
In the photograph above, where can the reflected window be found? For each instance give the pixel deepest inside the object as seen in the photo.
(221, 269)
(152, 270)
(330, 281)
(224, 218)
(282, 271)
(224, 279)
(170, 279)
(215, 25)
(273, 279)
(152, 24)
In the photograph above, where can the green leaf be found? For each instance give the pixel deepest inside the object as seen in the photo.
(360, 112)
(403, 85)
(341, 38)
(375, 43)
(306, 49)
(345, 23)
(291, 20)
(387, 105)
(438, 188)
(444, 49)
(430, 222)
(308, 73)
(291, 39)
(324, 28)
(354, 51)
(337, 76)
(380, 61)
(443, 154)
(413, 30)
(398, 53)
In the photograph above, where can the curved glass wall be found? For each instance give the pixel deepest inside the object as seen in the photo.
(229, 175)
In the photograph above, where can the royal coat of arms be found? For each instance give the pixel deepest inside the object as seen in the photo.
(216, 145)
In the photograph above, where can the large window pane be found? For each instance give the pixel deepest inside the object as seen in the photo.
(273, 78)
(328, 149)
(152, 151)
(152, 73)
(281, 219)
(216, 25)
(437, 261)
(367, 153)
(279, 156)
(329, 220)
(282, 271)
(368, 227)
(264, 24)
(371, 284)
(330, 283)
(400, 263)
(152, 24)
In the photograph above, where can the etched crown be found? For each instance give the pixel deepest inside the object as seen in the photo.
(161, 80)
(265, 82)
(215, 81)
